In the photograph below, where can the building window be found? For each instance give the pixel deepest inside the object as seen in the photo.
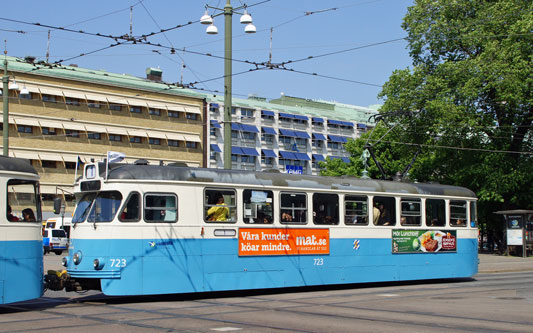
(173, 114)
(70, 165)
(267, 160)
(49, 98)
(115, 137)
(285, 140)
(213, 156)
(268, 138)
(136, 109)
(247, 113)
(234, 158)
(213, 108)
(24, 129)
(154, 141)
(248, 136)
(135, 139)
(191, 116)
(94, 136)
(233, 110)
(247, 159)
(49, 164)
(154, 112)
(72, 101)
(213, 131)
(333, 145)
(301, 142)
(25, 96)
(115, 107)
(317, 143)
(48, 131)
(72, 133)
(173, 143)
(94, 105)
(192, 145)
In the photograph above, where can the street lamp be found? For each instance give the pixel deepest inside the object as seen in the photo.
(212, 30)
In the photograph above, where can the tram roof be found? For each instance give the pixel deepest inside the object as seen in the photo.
(16, 165)
(221, 176)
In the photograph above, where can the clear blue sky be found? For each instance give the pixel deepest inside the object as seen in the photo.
(295, 36)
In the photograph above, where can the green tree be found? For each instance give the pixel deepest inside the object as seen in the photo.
(467, 101)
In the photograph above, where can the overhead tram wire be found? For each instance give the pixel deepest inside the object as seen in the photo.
(328, 77)
(166, 37)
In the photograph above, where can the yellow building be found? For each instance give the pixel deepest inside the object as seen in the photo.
(58, 113)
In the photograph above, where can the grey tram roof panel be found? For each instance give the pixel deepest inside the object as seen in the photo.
(16, 165)
(292, 182)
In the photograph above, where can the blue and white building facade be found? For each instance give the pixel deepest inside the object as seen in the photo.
(290, 138)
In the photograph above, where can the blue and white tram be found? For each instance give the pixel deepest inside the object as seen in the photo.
(21, 244)
(143, 229)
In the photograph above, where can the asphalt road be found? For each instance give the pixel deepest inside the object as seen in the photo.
(491, 302)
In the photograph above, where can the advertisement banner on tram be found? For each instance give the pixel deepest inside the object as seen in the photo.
(423, 241)
(270, 242)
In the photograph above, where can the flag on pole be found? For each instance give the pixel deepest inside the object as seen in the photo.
(79, 163)
(115, 157)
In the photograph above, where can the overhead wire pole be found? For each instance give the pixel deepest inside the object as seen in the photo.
(228, 12)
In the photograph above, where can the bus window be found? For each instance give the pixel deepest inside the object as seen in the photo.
(356, 210)
(258, 206)
(458, 213)
(384, 211)
(293, 208)
(325, 208)
(132, 209)
(160, 207)
(220, 205)
(105, 207)
(435, 213)
(410, 215)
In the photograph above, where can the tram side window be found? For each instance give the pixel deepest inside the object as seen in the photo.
(23, 201)
(435, 213)
(293, 208)
(325, 208)
(410, 212)
(458, 213)
(220, 205)
(160, 208)
(384, 211)
(356, 210)
(258, 206)
(473, 213)
(105, 207)
(131, 212)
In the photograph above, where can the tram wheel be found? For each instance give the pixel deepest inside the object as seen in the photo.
(58, 252)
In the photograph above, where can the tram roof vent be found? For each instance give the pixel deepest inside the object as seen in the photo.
(178, 164)
(141, 162)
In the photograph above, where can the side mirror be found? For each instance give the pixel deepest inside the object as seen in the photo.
(57, 206)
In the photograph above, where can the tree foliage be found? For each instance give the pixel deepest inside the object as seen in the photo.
(466, 102)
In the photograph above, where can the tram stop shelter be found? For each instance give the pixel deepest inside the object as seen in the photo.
(519, 229)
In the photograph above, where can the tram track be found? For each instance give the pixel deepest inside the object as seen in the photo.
(345, 306)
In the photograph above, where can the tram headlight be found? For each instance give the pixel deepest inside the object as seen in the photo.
(64, 261)
(76, 258)
(98, 263)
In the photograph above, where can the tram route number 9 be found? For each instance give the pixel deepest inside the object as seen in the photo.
(318, 261)
(118, 262)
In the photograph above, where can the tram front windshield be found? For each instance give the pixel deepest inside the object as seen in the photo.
(97, 207)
